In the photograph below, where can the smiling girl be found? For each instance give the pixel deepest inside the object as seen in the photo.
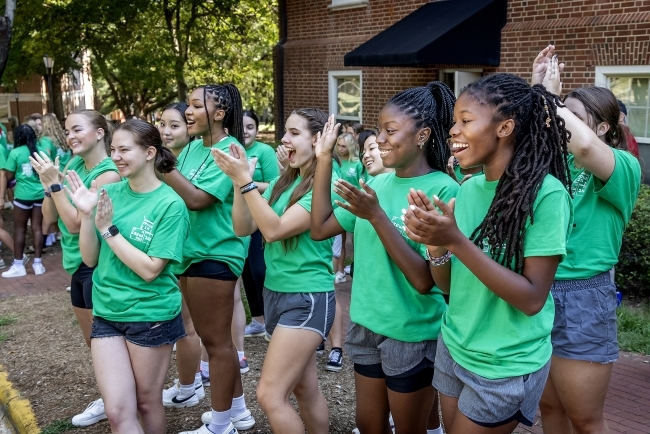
(371, 159)
(505, 238)
(395, 309)
(137, 231)
(173, 127)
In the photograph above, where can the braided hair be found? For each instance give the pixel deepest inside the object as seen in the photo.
(226, 97)
(430, 106)
(25, 135)
(540, 148)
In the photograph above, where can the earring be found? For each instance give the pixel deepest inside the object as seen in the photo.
(421, 145)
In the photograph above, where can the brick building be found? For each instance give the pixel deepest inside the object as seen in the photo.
(603, 42)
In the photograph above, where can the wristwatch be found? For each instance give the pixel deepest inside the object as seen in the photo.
(53, 189)
(111, 232)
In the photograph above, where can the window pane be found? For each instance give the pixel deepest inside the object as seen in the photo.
(636, 120)
(348, 96)
(620, 87)
(639, 92)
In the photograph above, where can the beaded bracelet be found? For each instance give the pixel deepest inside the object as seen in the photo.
(442, 260)
(248, 187)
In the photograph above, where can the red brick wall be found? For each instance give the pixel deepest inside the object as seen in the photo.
(586, 33)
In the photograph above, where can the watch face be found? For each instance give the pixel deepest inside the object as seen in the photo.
(55, 187)
(113, 230)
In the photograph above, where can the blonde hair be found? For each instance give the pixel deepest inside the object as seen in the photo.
(52, 129)
(351, 144)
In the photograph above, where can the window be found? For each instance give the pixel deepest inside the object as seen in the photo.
(630, 84)
(457, 80)
(347, 4)
(345, 95)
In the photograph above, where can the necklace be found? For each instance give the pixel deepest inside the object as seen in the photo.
(202, 163)
(87, 171)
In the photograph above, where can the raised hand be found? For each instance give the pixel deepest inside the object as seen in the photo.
(542, 62)
(48, 170)
(252, 164)
(363, 202)
(84, 199)
(104, 214)
(425, 225)
(326, 139)
(552, 80)
(283, 157)
(234, 165)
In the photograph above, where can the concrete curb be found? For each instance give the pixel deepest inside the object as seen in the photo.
(17, 409)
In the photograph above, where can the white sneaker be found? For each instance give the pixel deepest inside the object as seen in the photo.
(346, 269)
(15, 271)
(242, 422)
(92, 414)
(26, 259)
(2, 264)
(204, 430)
(68, 288)
(38, 268)
(50, 240)
(170, 396)
(340, 277)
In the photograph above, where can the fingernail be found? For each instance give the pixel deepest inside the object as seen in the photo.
(403, 211)
(412, 207)
(403, 218)
(436, 197)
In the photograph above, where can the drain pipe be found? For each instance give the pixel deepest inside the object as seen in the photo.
(278, 60)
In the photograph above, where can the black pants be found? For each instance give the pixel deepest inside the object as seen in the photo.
(254, 274)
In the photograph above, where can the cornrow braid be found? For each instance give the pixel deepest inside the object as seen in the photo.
(430, 106)
(540, 148)
(226, 97)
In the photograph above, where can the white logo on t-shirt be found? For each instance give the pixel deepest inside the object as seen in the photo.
(194, 173)
(352, 172)
(27, 169)
(580, 183)
(144, 233)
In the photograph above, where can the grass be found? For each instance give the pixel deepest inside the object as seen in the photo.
(58, 426)
(6, 320)
(634, 328)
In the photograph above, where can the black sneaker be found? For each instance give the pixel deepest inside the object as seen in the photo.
(335, 362)
(321, 349)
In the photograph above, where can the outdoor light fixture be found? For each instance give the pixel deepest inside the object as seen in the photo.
(49, 64)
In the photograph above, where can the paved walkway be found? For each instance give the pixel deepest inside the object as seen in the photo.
(627, 408)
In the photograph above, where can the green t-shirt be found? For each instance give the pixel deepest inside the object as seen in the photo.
(28, 185)
(3, 137)
(49, 146)
(266, 168)
(383, 300)
(3, 157)
(70, 242)
(351, 171)
(211, 233)
(484, 333)
(309, 261)
(602, 211)
(155, 223)
(64, 157)
(459, 174)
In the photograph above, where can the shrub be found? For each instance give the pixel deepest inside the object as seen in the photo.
(633, 269)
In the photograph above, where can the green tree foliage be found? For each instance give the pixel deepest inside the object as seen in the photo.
(633, 268)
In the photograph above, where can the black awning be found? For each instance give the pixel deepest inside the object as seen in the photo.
(450, 32)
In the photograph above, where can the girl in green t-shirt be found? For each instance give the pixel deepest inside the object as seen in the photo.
(298, 311)
(395, 310)
(173, 127)
(496, 253)
(132, 232)
(28, 200)
(213, 256)
(605, 184)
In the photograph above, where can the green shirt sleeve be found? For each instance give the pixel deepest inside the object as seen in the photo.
(214, 181)
(168, 240)
(622, 188)
(269, 162)
(11, 163)
(552, 222)
(267, 193)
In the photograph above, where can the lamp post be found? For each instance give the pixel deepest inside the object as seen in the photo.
(16, 95)
(49, 63)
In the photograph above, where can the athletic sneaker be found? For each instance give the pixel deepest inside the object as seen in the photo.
(2, 264)
(175, 390)
(92, 414)
(15, 271)
(347, 269)
(205, 380)
(243, 366)
(38, 268)
(321, 348)
(340, 277)
(335, 362)
(204, 430)
(254, 329)
(68, 288)
(171, 399)
(267, 337)
(242, 422)
(50, 240)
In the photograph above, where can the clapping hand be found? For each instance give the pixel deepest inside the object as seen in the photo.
(48, 170)
(426, 225)
(363, 202)
(326, 139)
(84, 199)
(234, 165)
(104, 214)
(541, 65)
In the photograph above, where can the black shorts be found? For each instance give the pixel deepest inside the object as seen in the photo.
(210, 269)
(414, 379)
(81, 287)
(27, 204)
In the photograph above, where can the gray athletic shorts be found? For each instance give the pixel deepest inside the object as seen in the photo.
(304, 310)
(486, 402)
(585, 319)
(337, 246)
(365, 347)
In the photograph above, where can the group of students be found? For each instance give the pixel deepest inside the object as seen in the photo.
(493, 296)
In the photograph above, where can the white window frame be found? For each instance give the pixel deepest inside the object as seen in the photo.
(603, 74)
(333, 76)
(338, 5)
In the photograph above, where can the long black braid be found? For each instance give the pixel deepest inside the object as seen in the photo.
(430, 106)
(25, 135)
(540, 148)
(226, 97)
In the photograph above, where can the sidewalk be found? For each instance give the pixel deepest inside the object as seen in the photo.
(54, 279)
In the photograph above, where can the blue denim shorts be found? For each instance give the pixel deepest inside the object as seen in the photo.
(145, 334)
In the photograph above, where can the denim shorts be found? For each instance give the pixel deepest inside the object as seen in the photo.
(210, 269)
(304, 310)
(585, 319)
(486, 402)
(145, 334)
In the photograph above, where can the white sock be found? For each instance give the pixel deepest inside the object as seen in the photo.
(37, 260)
(240, 354)
(220, 421)
(18, 262)
(205, 368)
(238, 406)
(187, 390)
(435, 431)
(197, 380)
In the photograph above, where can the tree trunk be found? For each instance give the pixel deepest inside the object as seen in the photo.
(57, 97)
(6, 24)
